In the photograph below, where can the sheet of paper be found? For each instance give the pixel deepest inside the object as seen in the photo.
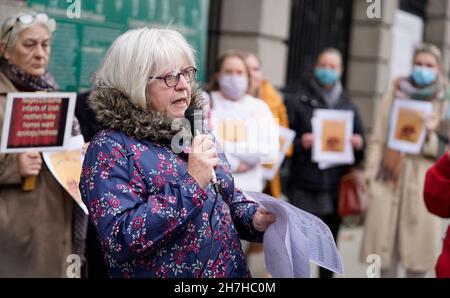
(407, 129)
(310, 240)
(287, 137)
(322, 247)
(332, 130)
(277, 245)
(246, 135)
(65, 166)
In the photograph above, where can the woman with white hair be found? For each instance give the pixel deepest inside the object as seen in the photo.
(155, 210)
(36, 232)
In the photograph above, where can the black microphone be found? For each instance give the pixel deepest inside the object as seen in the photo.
(196, 120)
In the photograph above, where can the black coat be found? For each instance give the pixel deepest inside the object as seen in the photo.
(88, 123)
(305, 174)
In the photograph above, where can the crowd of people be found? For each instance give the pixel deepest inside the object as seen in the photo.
(159, 208)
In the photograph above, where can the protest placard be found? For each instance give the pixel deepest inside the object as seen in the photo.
(407, 128)
(332, 131)
(37, 121)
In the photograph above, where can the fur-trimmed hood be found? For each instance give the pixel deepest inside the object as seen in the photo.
(113, 109)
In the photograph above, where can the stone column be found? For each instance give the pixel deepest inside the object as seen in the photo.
(369, 57)
(259, 26)
(8, 7)
(437, 29)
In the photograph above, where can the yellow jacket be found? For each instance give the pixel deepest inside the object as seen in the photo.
(278, 109)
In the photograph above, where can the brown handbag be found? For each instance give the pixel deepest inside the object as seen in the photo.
(353, 194)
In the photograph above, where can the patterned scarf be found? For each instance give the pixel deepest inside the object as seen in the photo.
(330, 96)
(25, 82)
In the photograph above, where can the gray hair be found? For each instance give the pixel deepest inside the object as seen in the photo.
(428, 48)
(11, 36)
(330, 50)
(138, 54)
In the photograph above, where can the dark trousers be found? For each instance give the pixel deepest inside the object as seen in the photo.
(96, 264)
(333, 221)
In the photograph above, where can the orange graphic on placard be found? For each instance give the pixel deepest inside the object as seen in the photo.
(67, 165)
(333, 135)
(409, 125)
(232, 130)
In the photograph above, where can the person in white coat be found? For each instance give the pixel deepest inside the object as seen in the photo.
(243, 124)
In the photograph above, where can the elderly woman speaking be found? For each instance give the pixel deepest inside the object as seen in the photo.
(155, 210)
(36, 231)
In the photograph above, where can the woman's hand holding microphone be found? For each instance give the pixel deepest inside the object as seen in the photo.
(202, 159)
(201, 162)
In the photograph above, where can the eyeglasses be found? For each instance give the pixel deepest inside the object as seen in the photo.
(25, 19)
(172, 80)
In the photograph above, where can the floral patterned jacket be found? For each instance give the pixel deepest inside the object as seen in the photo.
(152, 217)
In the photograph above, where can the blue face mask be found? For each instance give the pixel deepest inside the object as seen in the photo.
(423, 76)
(326, 76)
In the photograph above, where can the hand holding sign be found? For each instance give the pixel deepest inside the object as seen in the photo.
(30, 164)
(432, 122)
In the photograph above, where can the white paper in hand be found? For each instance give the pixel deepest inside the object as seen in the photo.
(296, 238)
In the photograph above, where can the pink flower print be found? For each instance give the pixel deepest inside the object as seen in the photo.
(96, 210)
(117, 247)
(91, 185)
(196, 198)
(87, 172)
(180, 161)
(139, 244)
(183, 212)
(115, 203)
(172, 199)
(150, 265)
(159, 181)
(156, 207)
(178, 257)
(137, 222)
(162, 271)
(116, 152)
(165, 167)
(161, 156)
(190, 180)
(115, 230)
(191, 226)
(104, 175)
(136, 152)
(171, 224)
(205, 216)
(197, 272)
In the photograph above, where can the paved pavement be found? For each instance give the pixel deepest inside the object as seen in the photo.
(349, 243)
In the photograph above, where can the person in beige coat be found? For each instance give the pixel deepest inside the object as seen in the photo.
(35, 226)
(398, 227)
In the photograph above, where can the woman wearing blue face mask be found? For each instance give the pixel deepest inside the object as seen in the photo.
(313, 189)
(398, 226)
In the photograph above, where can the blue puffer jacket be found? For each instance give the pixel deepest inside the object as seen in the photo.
(151, 215)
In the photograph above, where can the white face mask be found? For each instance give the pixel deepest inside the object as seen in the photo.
(234, 87)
